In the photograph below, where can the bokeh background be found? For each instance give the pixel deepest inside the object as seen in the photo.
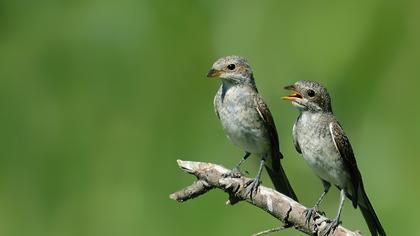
(99, 99)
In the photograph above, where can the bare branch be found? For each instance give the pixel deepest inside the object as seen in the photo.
(276, 204)
(194, 190)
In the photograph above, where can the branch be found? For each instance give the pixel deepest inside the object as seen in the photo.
(274, 203)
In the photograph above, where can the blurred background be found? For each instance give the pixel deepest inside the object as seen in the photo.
(100, 98)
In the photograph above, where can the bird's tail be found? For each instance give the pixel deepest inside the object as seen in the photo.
(369, 214)
(280, 181)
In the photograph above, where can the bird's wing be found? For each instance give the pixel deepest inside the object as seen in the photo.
(275, 171)
(215, 102)
(343, 146)
(295, 141)
(267, 118)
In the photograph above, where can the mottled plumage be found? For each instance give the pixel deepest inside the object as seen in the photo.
(246, 119)
(318, 136)
(313, 136)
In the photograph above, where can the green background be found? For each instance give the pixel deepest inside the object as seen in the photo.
(100, 98)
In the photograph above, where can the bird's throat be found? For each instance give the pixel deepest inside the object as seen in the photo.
(226, 85)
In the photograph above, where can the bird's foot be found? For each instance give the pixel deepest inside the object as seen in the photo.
(234, 173)
(310, 213)
(252, 186)
(332, 225)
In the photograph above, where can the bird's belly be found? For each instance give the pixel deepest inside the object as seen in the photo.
(244, 129)
(326, 163)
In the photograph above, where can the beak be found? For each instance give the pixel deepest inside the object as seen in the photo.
(294, 96)
(214, 73)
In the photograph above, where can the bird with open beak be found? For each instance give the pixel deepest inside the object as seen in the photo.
(318, 136)
(247, 121)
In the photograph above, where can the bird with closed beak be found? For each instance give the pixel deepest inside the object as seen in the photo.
(318, 136)
(247, 121)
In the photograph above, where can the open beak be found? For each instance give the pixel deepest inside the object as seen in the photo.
(294, 96)
(214, 73)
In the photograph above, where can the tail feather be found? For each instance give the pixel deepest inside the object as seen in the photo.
(369, 214)
(281, 183)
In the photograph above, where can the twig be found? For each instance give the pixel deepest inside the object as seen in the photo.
(276, 204)
(269, 231)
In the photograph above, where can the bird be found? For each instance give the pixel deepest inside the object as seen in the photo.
(248, 122)
(319, 137)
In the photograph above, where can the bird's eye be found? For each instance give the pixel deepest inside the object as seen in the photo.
(311, 93)
(231, 66)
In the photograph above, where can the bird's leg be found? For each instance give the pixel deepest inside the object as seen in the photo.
(310, 212)
(236, 171)
(255, 183)
(237, 168)
(336, 222)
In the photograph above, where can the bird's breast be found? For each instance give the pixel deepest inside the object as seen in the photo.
(319, 151)
(241, 121)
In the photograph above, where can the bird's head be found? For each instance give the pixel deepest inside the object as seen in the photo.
(309, 96)
(232, 69)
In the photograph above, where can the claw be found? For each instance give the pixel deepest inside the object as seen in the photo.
(234, 173)
(310, 213)
(332, 226)
(252, 186)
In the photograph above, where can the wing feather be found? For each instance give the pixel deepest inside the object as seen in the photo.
(295, 141)
(343, 146)
(268, 120)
